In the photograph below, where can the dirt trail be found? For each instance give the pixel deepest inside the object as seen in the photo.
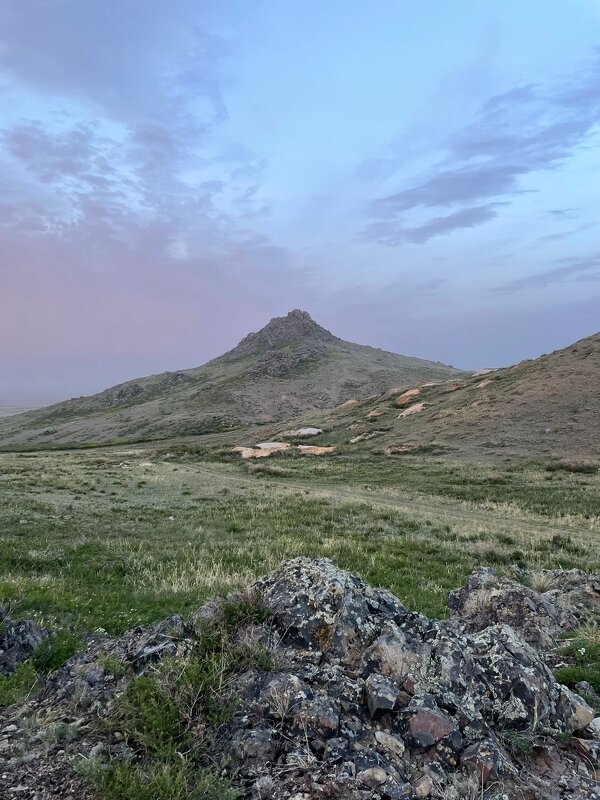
(441, 510)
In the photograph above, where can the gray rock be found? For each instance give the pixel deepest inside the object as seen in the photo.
(381, 694)
(18, 641)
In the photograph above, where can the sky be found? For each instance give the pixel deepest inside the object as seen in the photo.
(419, 176)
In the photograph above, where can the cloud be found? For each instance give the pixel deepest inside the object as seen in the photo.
(556, 237)
(392, 232)
(515, 134)
(127, 147)
(583, 269)
(126, 219)
(452, 187)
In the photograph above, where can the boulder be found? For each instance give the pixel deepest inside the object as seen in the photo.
(18, 641)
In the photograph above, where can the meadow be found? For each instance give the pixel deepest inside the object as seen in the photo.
(114, 537)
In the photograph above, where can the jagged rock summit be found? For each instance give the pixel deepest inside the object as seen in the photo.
(335, 690)
(297, 327)
(290, 367)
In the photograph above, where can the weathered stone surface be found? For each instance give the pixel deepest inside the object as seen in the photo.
(381, 693)
(254, 748)
(487, 760)
(391, 743)
(488, 599)
(577, 713)
(367, 701)
(326, 609)
(373, 777)
(18, 641)
(428, 726)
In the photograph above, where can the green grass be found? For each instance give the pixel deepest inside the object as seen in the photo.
(127, 536)
(583, 651)
(171, 714)
(55, 649)
(535, 488)
(177, 780)
(18, 685)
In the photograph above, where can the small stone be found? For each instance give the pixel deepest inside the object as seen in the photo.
(117, 736)
(390, 743)
(318, 717)
(381, 693)
(424, 786)
(373, 777)
(577, 713)
(10, 729)
(256, 747)
(428, 726)
(486, 760)
(392, 790)
(594, 727)
(336, 749)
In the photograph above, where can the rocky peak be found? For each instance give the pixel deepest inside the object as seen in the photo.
(297, 329)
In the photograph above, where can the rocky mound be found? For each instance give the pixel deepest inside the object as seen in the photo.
(333, 690)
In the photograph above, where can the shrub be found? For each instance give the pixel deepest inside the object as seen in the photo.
(124, 780)
(149, 716)
(55, 649)
(18, 685)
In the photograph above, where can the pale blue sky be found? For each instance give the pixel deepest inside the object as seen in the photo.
(420, 176)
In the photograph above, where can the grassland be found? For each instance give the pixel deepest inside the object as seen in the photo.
(113, 537)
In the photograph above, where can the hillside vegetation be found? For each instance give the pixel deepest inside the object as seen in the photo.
(291, 366)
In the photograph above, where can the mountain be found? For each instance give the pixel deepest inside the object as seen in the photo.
(544, 407)
(291, 366)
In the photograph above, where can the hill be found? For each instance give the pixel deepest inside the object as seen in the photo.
(544, 407)
(289, 367)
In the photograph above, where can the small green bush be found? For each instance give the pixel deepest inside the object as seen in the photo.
(18, 685)
(584, 650)
(519, 742)
(177, 780)
(150, 717)
(55, 650)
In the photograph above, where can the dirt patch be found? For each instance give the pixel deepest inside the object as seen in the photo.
(412, 410)
(314, 450)
(400, 448)
(407, 397)
(261, 450)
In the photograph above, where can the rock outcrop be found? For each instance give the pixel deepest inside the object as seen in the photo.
(18, 641)
(367, 700)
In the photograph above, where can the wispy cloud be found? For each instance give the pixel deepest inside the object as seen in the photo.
(515, 134)
(582, 269)
(392, 232)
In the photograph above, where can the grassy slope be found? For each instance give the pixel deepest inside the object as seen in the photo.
(541, 409)
(87, 539)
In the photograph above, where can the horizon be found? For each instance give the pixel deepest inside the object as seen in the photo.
(422, 180)
(24, 402)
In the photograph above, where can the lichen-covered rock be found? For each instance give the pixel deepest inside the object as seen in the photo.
(381, 693)
(367, 701)
(487, 759)
(325, 609)
(570, 597)
(18, 641)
